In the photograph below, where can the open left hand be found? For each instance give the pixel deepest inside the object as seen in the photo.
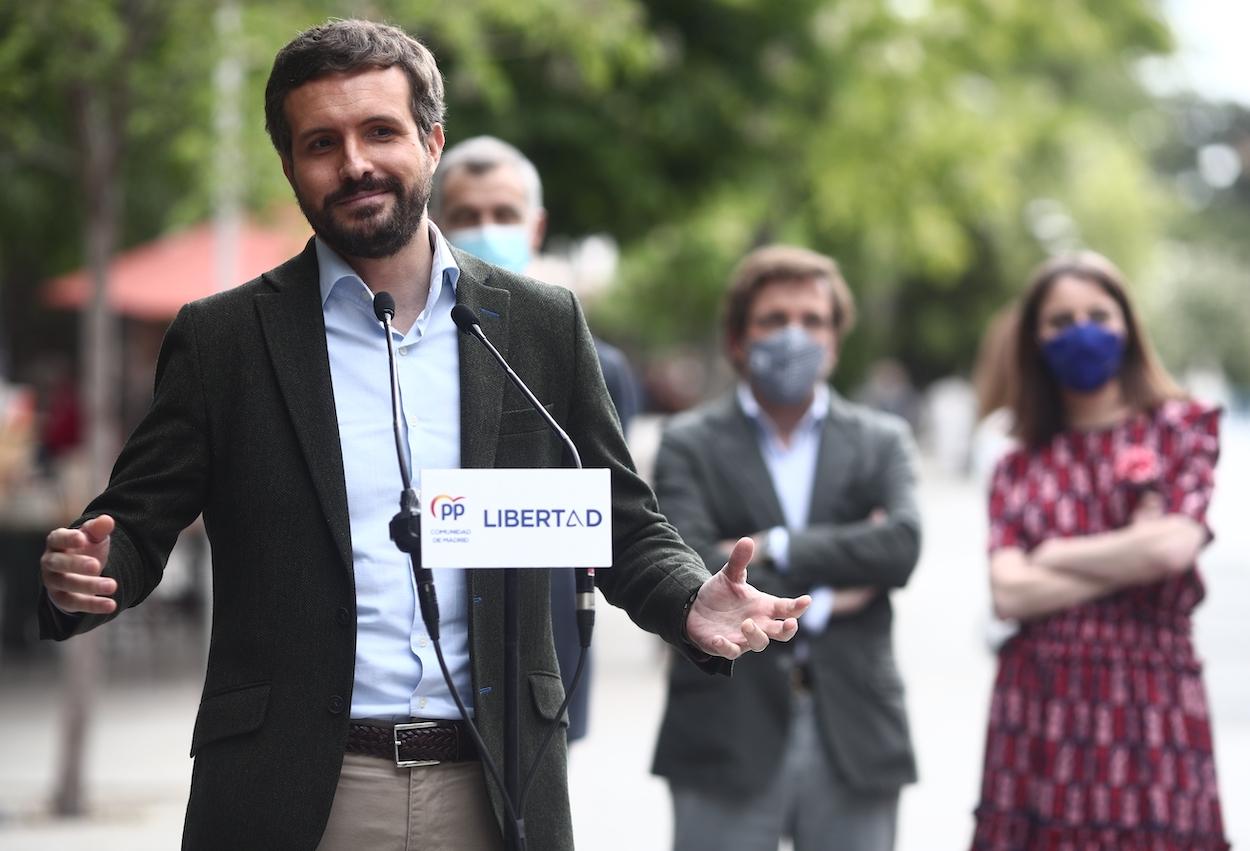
(729, 617)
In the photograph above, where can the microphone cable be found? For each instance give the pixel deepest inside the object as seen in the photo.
(466, 320)
(405, 532)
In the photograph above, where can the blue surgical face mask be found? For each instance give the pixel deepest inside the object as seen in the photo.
(504, 245)
(1084, 357)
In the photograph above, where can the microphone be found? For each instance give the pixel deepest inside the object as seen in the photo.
(466, 320)
(405, 527)
(405, 531)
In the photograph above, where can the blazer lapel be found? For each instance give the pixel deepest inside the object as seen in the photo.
(739, 439)
(482, 382)
(482, 379)
(294, 327)
(832, 463)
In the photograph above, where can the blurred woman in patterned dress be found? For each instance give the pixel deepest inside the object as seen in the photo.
(1099, 735)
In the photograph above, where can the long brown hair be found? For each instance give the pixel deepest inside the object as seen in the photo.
(1037, 402)
(994, 370)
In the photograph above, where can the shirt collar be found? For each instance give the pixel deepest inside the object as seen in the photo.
(814, 415)
(333, 269)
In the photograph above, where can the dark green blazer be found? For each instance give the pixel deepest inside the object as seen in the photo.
(712, 482)
(242, 428)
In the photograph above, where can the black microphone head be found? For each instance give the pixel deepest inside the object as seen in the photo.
(384, 306)
(464, 317)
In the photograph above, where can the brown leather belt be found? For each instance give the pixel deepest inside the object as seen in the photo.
(412, 743)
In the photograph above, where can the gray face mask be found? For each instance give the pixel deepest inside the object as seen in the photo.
(784, 366)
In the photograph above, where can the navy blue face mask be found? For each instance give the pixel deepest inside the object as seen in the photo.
(1084, 357)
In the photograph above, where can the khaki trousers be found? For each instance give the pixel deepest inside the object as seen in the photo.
(378, 807)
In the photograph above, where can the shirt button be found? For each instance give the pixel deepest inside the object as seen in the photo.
(403, 351)
(412, 422)
(343, 617)
(421, 642)
(421, 703)
(335, 704)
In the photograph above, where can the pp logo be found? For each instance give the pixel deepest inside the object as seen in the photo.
(447, 507)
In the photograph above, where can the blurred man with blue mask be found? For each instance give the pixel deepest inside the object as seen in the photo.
(827, 490)
(487, 198)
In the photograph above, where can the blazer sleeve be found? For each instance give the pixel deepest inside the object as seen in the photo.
(157, 487)
(653, 572)
(863, 552)
(688, 496)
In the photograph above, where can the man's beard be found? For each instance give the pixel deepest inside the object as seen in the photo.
(364, 236)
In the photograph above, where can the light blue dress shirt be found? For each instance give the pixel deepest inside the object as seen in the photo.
(792, 468)
(397, 673)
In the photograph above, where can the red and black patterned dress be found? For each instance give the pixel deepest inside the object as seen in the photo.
(1099, 735)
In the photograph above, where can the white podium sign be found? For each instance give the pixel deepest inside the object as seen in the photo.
(516, 518)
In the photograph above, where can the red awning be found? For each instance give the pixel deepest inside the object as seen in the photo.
(154, 280)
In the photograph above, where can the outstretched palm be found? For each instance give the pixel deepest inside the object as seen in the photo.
(729, 617)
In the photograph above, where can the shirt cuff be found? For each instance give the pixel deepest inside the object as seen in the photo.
(779, 547)
(816, 618)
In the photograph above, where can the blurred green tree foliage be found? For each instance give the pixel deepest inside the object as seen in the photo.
(1201, 287)
(937, 148)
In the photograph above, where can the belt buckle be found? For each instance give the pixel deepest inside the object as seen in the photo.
(412, 763)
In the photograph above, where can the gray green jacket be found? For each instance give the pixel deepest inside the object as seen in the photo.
(729, 734)
(242, 428)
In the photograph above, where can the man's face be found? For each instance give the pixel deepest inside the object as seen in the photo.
(496, 196)
(359, 164)
(805, 302)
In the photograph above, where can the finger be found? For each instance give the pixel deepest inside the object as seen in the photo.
(786, 607)
(84, 603)
(70, 563)
(725, 648)
(776, 629)
(99, 528)
(757, 639)
(63, 539)
(736, 569)
(75, 583)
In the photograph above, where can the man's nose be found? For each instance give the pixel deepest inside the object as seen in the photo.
(356, 165)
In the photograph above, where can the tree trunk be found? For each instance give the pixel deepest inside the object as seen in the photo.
(98, 382)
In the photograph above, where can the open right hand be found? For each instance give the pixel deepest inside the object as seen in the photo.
(71, 566)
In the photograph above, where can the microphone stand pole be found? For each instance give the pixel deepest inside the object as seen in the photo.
(467, 321)
(512, 702)
(405, 531)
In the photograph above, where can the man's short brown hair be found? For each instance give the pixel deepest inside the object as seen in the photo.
(774, 263)
(339, 46)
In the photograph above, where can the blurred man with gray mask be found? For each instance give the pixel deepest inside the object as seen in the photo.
(487, 198)
(827, 490)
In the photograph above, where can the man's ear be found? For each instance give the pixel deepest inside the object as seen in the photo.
(538, 232)
(288, 169)
(434, 142)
